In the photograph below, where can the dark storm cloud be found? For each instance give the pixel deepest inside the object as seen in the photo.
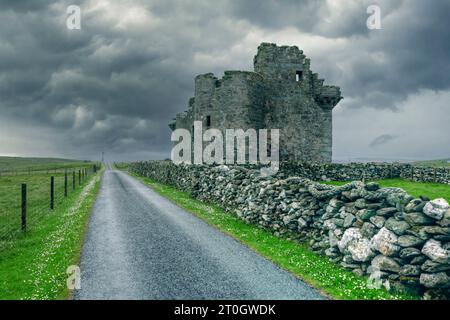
(325, 18)
(380, 140)
(24, 5)
(117, 82)
(278, 14)
(95, 86)
(409, 54)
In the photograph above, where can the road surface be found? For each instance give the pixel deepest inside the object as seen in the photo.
(139, 245)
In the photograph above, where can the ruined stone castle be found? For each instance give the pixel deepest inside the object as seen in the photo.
(282, 93)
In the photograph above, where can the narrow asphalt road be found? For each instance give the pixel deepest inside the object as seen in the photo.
(139, 245)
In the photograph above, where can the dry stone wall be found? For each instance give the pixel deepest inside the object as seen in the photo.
(383, 233)
(365, 171)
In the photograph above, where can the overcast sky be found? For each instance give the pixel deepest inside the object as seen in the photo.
(116, 83)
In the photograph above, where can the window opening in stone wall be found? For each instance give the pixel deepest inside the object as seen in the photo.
(208, 121)
(298, 76)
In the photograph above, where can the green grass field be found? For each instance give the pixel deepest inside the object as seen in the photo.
(20, 166)
(433, 163)
(34, 266)
(38, 201)
(38, 198)
(33, 263)
(317, 270)
(416, 189)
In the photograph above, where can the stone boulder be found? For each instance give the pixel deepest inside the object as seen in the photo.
(409, 241)
(360, 250)
(410, 270)
(386, 211)
(397, 226)
(383, 263)
(436, 208)
(385, 242)
(350, 235)
(409, 253)
(445, 222)
(433, 267)
(435, 280)
(433, 250)
(418, 218)
(378, 221)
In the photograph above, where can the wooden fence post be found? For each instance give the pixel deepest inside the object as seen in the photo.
(79, 177)
(24, 207)
(73, 180)
(65, 184)
(52, 192)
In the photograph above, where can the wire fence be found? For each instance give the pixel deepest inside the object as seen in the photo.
(27, 199)
(39, 170)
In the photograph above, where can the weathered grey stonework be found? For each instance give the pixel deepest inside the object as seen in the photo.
(365, 171)
(282, 93)
(373, 231)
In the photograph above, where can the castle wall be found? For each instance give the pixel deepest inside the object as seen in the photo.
(234, 102)
(278, 63)
(326, 140)
(239, 101)
(205, 85)
(282, 94)
(305, 125)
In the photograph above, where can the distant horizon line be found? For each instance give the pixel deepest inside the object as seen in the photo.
(338, 159)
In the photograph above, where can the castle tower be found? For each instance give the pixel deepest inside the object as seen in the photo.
(297, 103)
(282, 93)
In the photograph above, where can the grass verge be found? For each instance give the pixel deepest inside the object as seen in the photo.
(35, 266)
(314, 269)
(416, 189)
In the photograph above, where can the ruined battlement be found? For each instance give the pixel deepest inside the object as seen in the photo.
(281, 93)
(279, 62)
